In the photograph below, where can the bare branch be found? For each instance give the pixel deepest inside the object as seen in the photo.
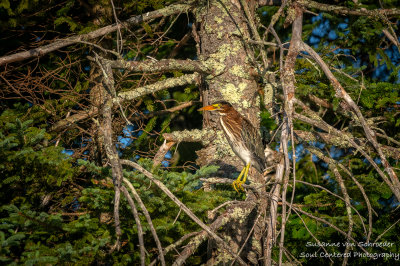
(148, 218)
(342, 94)
(162, 151)
(174, 245)
(138, 225)
(195, 135)
(183, 207)
(389, 12)
(152, 66)
(348, 11)
(109, 147)
(392, 38)
(243, 207)
(340, 141)
(288, 83)
(167, 11)
(324, 126)
(160, 85)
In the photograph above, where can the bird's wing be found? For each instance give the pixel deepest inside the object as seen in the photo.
(253, 142)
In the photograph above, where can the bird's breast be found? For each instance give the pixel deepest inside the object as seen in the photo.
(236, 142)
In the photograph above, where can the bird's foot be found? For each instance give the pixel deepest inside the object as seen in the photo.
(238, 185)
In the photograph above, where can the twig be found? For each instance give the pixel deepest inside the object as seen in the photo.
(174, 245)
(311, 234)
(386, 230)
(119, 34)
(148, 218)
(370, 134)
(40, 51)
(183, 207)
(138, 225)
(332, 226)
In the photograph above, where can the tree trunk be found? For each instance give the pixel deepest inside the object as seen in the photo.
(222, 42)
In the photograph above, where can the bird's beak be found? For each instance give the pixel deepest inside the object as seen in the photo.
(207, 108)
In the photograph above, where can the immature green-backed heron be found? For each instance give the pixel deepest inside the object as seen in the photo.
(243, 138)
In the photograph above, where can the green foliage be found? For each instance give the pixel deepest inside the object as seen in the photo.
(22, 144)
(56, 210)
(80, 230)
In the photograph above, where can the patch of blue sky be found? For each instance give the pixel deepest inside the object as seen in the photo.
(301, 71)
(324, 164)
(332, 35)
(299, 153)
(165, 163)
(68, 152)
(86, 68)
(321, 29)
(342, 51)
(128, 130)
(336, 152)
(264, 13)
(316, 18)
(314, 41)
(168, 155)
(75, 204)
(317, 144)
(326, 176)
(394, 204)
(124, 142)
(381, 73)
(342, 26)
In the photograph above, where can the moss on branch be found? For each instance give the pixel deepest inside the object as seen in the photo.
(160, 85)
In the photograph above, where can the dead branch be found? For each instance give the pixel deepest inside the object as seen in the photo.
(324, 126)
(223, 219)
(106, 130)
(148, 218)
(175, 245)
(160, 85)
(152, 66)
(40, 51)
(162, 151)
(204, 136)
(288, 84)
(340, 141)
(342, 94)
(389, 12)
(138, 225)
(183, 207)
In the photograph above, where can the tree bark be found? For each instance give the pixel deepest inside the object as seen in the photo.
(223, 32)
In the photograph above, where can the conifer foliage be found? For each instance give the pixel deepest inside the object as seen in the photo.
(104, 158)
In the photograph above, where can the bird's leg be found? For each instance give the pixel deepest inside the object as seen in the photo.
(245, 176)
(237, 184)
(237, 181)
